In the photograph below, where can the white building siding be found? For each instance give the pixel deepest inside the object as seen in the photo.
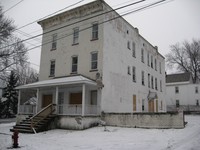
(119, 87)
(186, 95)
(65, 48)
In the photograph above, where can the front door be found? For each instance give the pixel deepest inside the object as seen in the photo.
(46, 100)
(151, 106)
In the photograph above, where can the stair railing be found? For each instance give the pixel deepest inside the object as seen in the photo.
(42, 114)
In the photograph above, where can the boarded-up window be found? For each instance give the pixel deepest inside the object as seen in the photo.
(75, 98)
(134, 103)
(151, 106)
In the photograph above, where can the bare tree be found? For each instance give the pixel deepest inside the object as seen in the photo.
(6, 27)
(26, 74)
(10, 54)
(186, 58)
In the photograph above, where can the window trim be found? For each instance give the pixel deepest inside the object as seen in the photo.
(52, 73)
(133, 49)
(95, 31)
(72, 64)
(54, 42)
(92, 61)
(142, 55)
(75, 36)
(143, 82)
(134, 74)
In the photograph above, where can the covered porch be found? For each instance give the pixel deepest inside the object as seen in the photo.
(72, 96)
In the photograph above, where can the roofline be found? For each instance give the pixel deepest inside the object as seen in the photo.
(135, 28)
(41, 21)
(33, 86)
(177, 83)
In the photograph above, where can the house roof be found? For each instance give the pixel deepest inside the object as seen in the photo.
(59, 81)
(182, 77)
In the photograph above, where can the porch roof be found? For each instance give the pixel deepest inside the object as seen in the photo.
(60, 81)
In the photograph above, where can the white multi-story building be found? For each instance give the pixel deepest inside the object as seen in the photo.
(94, 61)
(182, 93)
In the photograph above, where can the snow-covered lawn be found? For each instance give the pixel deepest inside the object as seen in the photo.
(115, 139)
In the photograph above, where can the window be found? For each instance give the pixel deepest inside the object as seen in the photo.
(95, 31)
(74, 64)
(129, 70)
(54, 42)
(52, 67)
(148, 59)
(148, 80)
(151, 61)
(128, 45)
(160, 85)
(160, 67)
(134, 74)
(142, 55)
(197, 102)
(155, 64)
(156, 84)
(152, 85)
(133, 48)
(196, 89)
(143, 104)
(177, 103)
(75, 36)
(143, 78)
(176, 89)
(94, 60)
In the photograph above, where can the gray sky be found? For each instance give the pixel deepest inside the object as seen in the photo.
(164, 25)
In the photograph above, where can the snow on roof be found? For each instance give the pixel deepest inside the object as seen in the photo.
(59, 81)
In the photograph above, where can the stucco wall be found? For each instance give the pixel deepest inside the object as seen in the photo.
(65, 48)
(77, 123)
(119, 88)
(142, 120)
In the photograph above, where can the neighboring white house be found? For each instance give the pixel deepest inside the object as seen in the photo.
(182, 93)
(93, 63)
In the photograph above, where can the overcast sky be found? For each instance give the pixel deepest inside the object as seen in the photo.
(163, 25)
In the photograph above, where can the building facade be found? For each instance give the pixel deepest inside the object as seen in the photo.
(182, 93)
(93, 61)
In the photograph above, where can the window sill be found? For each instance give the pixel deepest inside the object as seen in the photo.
(75, 44)
(73, 73)
(94, 39)
(51, 76)
(53, 49)
(93, 70)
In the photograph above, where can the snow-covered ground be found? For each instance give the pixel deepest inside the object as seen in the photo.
(115, 139)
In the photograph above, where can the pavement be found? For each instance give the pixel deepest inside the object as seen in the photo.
(7, 120)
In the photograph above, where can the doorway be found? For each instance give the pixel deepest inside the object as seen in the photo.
(46, 100)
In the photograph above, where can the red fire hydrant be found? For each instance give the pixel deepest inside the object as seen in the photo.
(15, 139)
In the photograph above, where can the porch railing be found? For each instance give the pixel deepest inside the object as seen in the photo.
(42, 114)
(27, 109)
(71, 109)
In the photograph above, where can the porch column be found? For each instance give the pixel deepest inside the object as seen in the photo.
(56, 102)
(83, 99)
(19, 99)
(36, 107)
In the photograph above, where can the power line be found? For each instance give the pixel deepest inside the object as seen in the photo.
(120, 16)
(49, 15)
(12, 6)
(77, 22)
